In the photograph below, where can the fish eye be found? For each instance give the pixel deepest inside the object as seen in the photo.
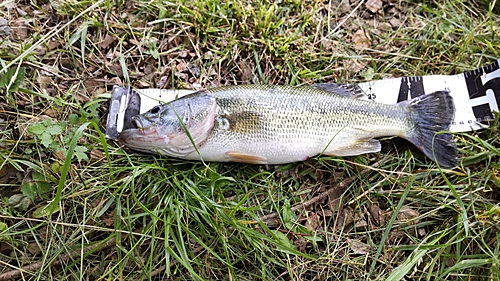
(155, 109)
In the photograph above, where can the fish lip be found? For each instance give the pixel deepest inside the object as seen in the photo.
(139, 126)
(129, 136)
(137, 123)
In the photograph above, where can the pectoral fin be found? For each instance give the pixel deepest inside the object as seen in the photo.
(246, 158)
(358, 148)
(244, 121)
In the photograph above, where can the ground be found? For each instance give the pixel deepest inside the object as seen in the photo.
(76, 206)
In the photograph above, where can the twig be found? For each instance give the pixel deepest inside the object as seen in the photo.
(37, 265)
(342, 185)
(344, 20)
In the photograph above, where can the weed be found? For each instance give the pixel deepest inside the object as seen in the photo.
(102, 212)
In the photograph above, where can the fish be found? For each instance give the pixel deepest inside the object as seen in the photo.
(278, 124)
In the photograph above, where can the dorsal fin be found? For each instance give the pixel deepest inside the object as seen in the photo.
(351, 90)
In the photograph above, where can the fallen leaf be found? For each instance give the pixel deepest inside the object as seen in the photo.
(33, 248)
(181, 66)
(360, 40)
(109, 219)
(22, 13)
(20, 29)
(92, 84)
(43, 233)
(377, 214)
(59, 155)
(53, 44)
(3, 171)
(162, 82)
(149, 71)
(96, 155)
(361, 224)
(301, 244)
(5, 30)
(182, 76)
(344, 216)
(343, 7)
(116, 81)
(396, 236)
(40, 50)
(326, 213)
(196, 86)
(373, 5)
(141, 84)
(194, 69)
(385, 26)
(5, 248)
(115, 68)
(334, 198)
(44, 81)
(407, 213)
(354, 66)
(319, 174)
(359, 248)
(312, 221)
(20, 202)
(9, 4)
(329, 44)
(51, 112)
(395, 23)
(107, 41)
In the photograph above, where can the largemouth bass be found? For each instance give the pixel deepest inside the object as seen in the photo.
(264, 124)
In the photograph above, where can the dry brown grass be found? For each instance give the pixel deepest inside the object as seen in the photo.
(159, 218)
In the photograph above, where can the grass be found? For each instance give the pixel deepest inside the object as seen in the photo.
(97, 212)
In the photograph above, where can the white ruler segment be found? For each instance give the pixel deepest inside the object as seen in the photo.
(153, 97)
(476, 95)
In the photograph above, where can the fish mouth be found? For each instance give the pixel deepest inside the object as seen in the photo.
(139, 126)
(136, 134)
(139, 139)
(137, 123)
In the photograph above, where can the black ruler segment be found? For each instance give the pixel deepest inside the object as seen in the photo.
(411, 87)
(133, 108)
(483, 86)
(484, 113)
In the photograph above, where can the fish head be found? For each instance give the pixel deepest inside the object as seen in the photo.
(176, 128)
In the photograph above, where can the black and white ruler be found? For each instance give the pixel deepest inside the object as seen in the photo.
(476, 94)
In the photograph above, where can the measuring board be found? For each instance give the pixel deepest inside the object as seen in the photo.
(476, 95)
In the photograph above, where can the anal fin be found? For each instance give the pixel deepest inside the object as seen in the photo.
(246, 158)
(361, 147)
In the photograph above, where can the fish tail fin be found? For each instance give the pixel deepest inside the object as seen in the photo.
(430, 114)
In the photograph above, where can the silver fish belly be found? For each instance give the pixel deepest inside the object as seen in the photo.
(280, 124)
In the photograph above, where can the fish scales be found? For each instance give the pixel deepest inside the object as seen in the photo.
(296, 122)
(281, 124)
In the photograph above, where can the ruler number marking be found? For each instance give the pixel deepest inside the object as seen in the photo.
(483, 86)
(411, 87)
